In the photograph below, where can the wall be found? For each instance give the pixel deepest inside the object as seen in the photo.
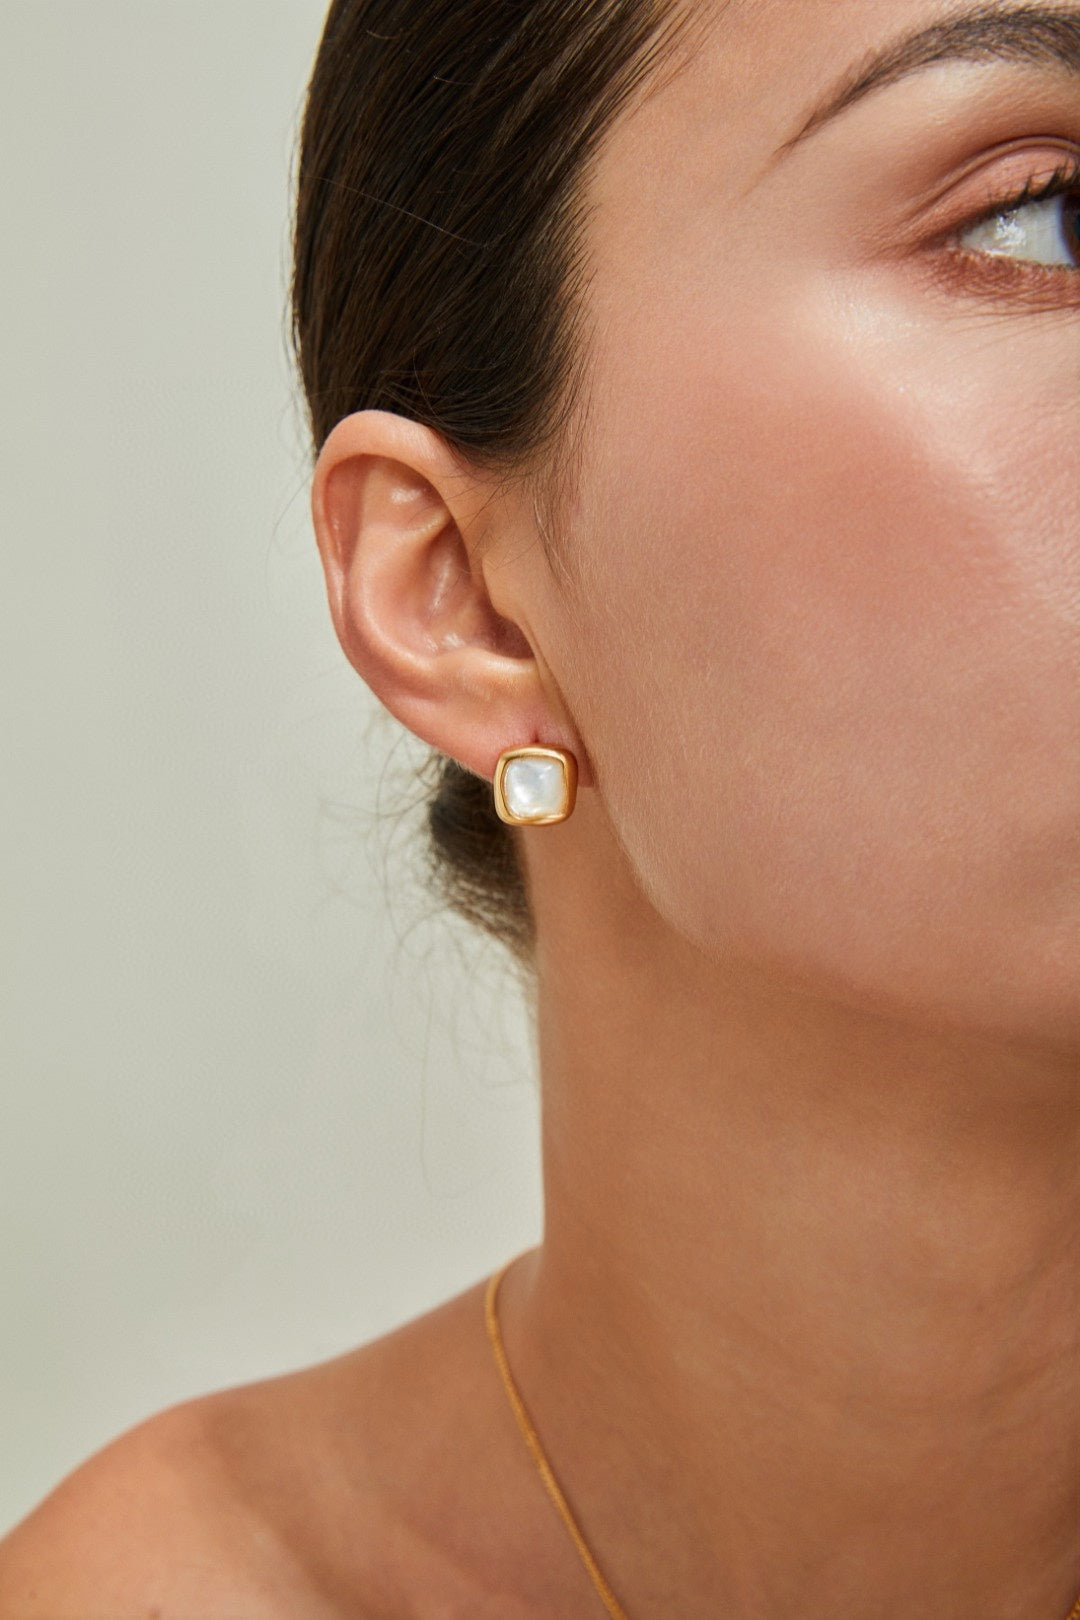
(258, 1104)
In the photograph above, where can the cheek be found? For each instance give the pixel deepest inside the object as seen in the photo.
(831, 600)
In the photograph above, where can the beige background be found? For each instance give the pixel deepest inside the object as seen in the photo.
(258, 1106)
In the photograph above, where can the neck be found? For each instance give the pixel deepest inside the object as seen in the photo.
(803, 1335)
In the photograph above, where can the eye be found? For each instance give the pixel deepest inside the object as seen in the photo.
(1041, 227)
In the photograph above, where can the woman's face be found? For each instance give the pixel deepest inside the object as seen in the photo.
(820, 631)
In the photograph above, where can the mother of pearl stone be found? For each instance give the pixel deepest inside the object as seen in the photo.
(534, 787)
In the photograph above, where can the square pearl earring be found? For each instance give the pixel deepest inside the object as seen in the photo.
(535, 787)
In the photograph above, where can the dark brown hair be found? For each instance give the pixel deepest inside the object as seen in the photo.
(439, 266)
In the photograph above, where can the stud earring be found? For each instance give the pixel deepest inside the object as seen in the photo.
(535, 787)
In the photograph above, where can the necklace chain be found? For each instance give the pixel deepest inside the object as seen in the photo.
(532, 1440)
(539, 1456)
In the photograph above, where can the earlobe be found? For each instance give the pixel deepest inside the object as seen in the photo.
(400, 527)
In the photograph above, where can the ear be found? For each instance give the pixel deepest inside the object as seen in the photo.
(402, 526)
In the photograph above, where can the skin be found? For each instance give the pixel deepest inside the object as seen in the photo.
(803, 1335)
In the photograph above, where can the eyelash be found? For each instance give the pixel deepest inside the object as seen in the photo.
(1064, 179)
(992, 270)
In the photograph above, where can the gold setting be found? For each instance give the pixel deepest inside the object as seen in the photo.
(569, 769)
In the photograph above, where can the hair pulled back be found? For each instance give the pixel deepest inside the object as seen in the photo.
(438, 269)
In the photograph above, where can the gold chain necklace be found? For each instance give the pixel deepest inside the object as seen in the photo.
(532, 1440)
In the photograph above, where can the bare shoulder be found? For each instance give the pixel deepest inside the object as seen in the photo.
(386, 1484)
(151, 1528)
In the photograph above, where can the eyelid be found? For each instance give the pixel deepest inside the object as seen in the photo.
(1038, 187)
(999, 188)
(1033, 289)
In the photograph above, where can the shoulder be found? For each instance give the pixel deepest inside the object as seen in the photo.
(152, 1525)
(386, 1484)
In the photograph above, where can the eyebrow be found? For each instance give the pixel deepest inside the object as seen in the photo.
(1034, 34)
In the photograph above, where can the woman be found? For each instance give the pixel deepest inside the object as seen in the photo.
(696, 393)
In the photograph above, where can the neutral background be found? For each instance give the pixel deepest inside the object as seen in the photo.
(258, 1104)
